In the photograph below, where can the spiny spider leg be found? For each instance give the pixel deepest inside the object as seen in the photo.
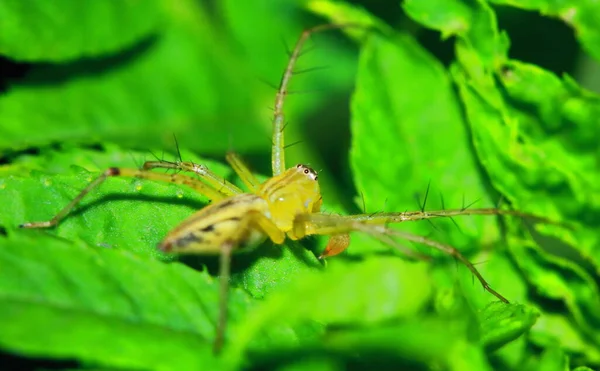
(250, 220)
(195, 184)
(214, 180)
(224, 273)
(322, 224)
(340, 242)
(448, 250)
(278, 143)
(392, 217)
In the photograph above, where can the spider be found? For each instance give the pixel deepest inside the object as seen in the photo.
(286, 205)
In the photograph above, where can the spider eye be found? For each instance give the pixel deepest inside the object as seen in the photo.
(307, 171)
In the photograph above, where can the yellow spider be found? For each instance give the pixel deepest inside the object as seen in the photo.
(286, 205)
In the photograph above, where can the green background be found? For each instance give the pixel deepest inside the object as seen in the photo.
(491, 103)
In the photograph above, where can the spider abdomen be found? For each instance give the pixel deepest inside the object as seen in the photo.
(211, 227)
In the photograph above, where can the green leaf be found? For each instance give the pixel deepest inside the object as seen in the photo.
(392, 108)
(473, 21)
(524, 186)
(268, 52)
(323, 297)
(104, 218)
(360, 21)
(43, 30)
(553, 328)
(125, 99)
(552, 359)
(501, 323)
(570, 115)
(105, 306)
(191, 78)
(272, 267)
(430, 341)
(562, 280)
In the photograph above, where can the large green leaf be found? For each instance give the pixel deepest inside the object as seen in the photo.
(387, 295)
(139, 97)
(105, 306)
(43, 30)
(104, 218)
(416, 343)
(552, 326)
(187, 79)
(412, 140)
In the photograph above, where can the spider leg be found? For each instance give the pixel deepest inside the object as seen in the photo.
(195, 184)
(217, 182)
(326, 224)
(278, 143)
(224, 273)
(338, 243)
(391, 217)
(449, 250)
(323, 224)
(242, 171)
(251, 220)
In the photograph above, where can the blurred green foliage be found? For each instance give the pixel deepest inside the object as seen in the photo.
(432, 92)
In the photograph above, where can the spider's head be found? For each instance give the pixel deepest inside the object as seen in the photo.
(295, 191)
(307, 185)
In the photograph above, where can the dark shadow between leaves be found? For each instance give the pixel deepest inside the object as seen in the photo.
(44, 74)
(21, 362)
(168, 200)
(244, 260)
(11, 70)
(365, 358)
